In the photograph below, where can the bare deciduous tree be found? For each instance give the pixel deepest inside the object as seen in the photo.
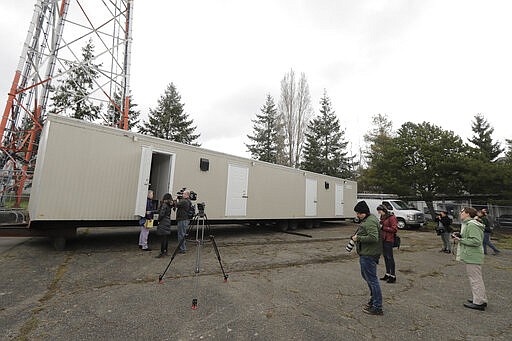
(295, 110)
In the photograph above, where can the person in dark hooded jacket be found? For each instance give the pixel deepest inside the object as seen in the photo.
(164, 224)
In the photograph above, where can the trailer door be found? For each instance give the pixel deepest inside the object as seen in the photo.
(143, 184)
(236, 193)
(338, 200)
(311, 197)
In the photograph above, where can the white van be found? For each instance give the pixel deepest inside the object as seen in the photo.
(406, 215)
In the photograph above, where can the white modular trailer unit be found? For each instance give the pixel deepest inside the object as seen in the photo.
(92, 175)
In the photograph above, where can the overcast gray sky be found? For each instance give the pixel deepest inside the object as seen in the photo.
(441, 61)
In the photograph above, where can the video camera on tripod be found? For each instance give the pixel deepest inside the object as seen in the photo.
(200, 223)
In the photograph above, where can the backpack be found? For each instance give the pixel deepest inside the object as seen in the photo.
(191, 211)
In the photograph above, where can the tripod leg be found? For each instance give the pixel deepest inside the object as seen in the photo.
(196, 272)
(192, 223)
(172, 257)
(218, 257)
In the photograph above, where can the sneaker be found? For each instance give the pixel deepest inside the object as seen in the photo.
(447, 251)
(160, 255)
(385, 278)
(483, 304)
(367, 306)
(182, 251)
(373, 311)
(147, 249)
(391, 279)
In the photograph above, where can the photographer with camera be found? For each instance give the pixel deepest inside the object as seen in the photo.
(369, 247)
(444, 229)
(482, 214)
(471, 252)
(183, 205)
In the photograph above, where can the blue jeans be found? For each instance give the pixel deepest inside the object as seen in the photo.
(387, 252)
(369, 273)
(487, 241)
(182, 231)
(446, 241)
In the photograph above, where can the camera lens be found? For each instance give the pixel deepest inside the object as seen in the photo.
(350, 245)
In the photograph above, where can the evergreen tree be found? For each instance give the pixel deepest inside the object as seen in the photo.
(378, 139)
(114, 116)
(169, 121)
(324, 150)
(268, 137)
(485, 149)
(71, 95)
(508, 154)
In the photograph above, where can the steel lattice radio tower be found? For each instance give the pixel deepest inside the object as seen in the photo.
(52, 52)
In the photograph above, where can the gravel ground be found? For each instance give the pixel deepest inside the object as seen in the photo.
(280, 287)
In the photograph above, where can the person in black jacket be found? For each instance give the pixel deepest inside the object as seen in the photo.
(482, 215)
(164, 224)
(182, 219)
(444, 230)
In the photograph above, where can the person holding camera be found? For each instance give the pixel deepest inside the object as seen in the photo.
(389, 227)
(369, 247)
(444, 230)
(482, 214)
(182, 220)
(164, 224)
(471, 252)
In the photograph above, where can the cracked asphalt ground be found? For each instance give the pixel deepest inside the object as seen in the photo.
(280, 287)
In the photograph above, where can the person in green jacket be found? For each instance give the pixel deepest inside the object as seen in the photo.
(369, 247)
(470, 251)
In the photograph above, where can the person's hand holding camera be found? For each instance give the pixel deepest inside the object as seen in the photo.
(456, 235)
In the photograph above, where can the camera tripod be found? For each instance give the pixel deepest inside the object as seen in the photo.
(200, 223)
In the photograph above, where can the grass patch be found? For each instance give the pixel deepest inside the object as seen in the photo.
(503, 239)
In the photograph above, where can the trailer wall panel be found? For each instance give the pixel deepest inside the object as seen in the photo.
(89, 172)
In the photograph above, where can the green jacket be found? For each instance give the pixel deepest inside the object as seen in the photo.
(368, 237)
(471, 248)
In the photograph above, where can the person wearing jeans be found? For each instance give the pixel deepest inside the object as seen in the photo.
(444, 229)
(389, 228)
(369, 248)
(482, 214)
(369, 273)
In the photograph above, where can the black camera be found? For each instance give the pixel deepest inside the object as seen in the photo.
(456, 235)
(193, 196)
(200, 207)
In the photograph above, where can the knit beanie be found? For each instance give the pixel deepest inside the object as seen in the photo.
(362, 207)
